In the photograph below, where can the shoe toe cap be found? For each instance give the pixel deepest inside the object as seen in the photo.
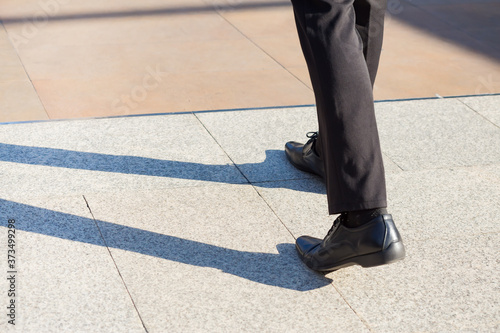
(292, 146)
(305, 244)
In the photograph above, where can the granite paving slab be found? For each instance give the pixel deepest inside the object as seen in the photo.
(445, 203)
(436, 133)
(255, 140)
(487, 106)
(64, 277)
(81, 156)
(215, 258)
(441, 286)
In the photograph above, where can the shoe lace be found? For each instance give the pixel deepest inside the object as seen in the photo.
(335, 225)
(312, 135)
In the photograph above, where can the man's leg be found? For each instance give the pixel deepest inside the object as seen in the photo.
(348, 140)
(341, 41)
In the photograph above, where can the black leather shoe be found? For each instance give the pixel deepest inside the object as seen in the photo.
(375, 243)
(303, 156)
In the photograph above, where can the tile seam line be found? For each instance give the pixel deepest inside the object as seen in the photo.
(363, 320)
(477, 112)
(116, 265)
(223, 150)
(264, 51)
(248, 109)
(384, 155)
(248, 180)
(26, 73)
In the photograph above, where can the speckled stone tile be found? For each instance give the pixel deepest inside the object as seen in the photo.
(436, 133)
(425, 204)
(215, 258)
(256, 139)
(487, 106)
(441, 286)
(301, 205)
(66, 280)
(445, 203)
(106, 154)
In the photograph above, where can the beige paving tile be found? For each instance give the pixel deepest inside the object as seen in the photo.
(237, 89)
(467, 15)
(175, 92)
(427, 66)
(10, 7)
(265, 22)
(91, 55)
(4, 39)
(463, 16)
(77, 61)
(132, 61)
(407, 12)
(19, 102)
(11, 68)
(302, 73)
(144, 29)
(55, 9)
(76, 98)
(488, 36)
(225, 5)
(284, 49)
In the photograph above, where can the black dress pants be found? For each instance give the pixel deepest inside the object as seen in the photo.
(341, 41)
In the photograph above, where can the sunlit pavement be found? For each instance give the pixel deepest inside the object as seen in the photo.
(184, 219)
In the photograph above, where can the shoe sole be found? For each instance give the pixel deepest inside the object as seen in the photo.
(395, 252)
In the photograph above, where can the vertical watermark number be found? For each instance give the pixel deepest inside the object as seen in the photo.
(11, 271)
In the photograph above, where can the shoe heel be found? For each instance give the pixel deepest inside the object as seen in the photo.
(395, 252)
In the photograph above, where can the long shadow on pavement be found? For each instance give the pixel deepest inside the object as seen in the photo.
(144, 166)
(283, 270)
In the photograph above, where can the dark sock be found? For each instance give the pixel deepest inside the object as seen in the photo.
(359, 217)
